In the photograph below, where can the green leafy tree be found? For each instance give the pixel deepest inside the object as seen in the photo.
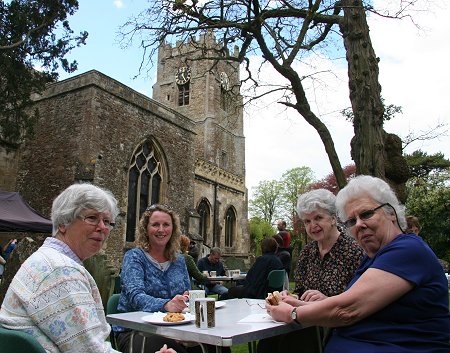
(259, 229)
(429, 200)
(421, 164)
(35, 36)
(294, 182)
(284, 34)
(265, 203)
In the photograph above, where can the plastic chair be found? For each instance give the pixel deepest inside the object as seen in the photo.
(13, 341)
(276, 280)
(111, 308)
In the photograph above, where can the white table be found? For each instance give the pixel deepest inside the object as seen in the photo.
(227, 332)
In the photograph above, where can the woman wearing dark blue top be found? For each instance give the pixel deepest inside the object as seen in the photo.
(397, 301)
(256, 284)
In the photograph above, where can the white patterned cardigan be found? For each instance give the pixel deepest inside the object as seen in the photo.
(56, 300)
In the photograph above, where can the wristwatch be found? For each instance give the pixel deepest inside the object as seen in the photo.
(294, 315)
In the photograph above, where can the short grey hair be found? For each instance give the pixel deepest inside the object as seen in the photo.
(375, 188)
(77, 197)
(215, 251)
(314, 199)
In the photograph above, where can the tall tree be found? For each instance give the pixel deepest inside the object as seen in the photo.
(294, 182)
(265, 203)
(284, 33)
(422, 165)
(35, 36)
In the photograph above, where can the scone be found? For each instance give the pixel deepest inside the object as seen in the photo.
(173, 317)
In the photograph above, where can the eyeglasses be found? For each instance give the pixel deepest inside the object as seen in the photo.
(363, 216)
(94, 220)
(249, 302)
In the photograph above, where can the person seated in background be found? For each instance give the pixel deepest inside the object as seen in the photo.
(256, 284)
(52, 296)
(192, 268)
(212, 263)
(397, 300)
(412, 225)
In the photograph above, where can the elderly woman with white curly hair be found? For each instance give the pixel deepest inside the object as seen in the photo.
(398, 299)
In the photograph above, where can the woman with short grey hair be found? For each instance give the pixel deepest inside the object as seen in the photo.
(325, 266)
(52, 296)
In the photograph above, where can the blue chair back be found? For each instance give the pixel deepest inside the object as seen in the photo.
(13, 341)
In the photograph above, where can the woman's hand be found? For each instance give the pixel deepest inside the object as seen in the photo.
(177, 304)
(312, 295)
(164, 349)
(280, 312)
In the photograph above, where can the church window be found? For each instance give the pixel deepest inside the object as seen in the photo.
(145, 181)
(225, 100)
(223, 160)
(203, 210)
(183, 94)
(230, 227)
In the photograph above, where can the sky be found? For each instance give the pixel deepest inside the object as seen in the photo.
(414, 74)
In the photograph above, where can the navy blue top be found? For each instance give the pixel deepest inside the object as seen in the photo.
(145, 287)
(419, 321)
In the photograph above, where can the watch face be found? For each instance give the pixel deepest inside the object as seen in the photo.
(183, 75)
(294, 314)
(224, 81)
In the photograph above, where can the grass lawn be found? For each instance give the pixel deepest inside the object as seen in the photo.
(241, 348)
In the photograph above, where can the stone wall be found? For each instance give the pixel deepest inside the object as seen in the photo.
(8, 169)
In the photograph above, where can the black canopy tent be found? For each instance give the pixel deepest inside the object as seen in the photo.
(17, 216)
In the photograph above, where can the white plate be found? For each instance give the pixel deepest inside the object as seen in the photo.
(157, 319)
(220, 304)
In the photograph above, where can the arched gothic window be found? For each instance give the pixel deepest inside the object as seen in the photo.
(145, 184)
(230, 227)
(203, 210)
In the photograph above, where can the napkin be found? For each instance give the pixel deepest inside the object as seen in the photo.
(263, 317)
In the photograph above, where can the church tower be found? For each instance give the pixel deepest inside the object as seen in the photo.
(207, 91)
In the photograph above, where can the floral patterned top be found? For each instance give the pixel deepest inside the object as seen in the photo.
(331, 274)
(55, 299)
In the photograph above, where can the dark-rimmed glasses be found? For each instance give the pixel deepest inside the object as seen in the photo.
(363, 216)
(94, 220)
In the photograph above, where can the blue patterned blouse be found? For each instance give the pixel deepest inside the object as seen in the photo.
(145, 287)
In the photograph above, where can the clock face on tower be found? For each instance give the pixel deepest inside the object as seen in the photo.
(183, 75)
(224, 81)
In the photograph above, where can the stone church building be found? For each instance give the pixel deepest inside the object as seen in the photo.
(184, 148)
